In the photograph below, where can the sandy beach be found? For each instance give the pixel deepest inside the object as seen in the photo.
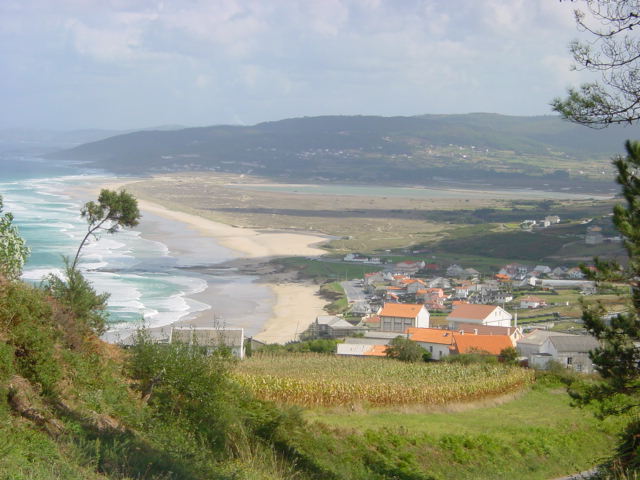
(292, 306)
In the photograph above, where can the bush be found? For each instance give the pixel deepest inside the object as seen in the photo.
(406, 350)
(77, 295)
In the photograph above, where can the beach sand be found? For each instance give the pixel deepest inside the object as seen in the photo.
(290, 309)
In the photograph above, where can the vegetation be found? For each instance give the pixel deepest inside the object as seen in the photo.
(420, 150)
(614, 53)
(113, 211)
(78, 297)
(406, 350)
(319, 345)
(13, 250)
(333, 291)
(515, 439)
(316, 380)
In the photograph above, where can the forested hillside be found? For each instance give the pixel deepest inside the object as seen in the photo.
(481, 148)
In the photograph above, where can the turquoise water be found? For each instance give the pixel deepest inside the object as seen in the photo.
(146, 282)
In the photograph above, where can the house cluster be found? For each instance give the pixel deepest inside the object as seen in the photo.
(515, 272)
(544, 223)
(471, 328)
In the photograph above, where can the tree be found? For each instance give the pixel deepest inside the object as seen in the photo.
(76, 293)
(614, 53)
(114, 210)
(13, 249)
(406, 350)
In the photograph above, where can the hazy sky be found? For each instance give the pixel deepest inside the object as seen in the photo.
(137, 63)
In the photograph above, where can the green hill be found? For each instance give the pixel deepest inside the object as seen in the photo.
(479, 147)
(73, 407)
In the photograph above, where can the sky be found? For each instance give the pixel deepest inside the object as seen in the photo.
(121, 64)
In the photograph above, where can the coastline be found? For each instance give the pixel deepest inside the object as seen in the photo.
(291, 307)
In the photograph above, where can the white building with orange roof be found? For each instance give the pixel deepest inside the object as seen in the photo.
(479, 314)
(484, 344)
(397, 317)
(437, 342)
(531, 301)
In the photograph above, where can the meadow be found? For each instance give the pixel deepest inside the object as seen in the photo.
(320, 380)
(462, 224)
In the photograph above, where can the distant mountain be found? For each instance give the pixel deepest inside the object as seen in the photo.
(476, 147)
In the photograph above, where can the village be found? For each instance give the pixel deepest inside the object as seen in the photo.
(447, 310)
(460, 313)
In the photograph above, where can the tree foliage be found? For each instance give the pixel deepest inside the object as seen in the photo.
(113, 211)
(13, 249)
(614, 54)
(77, 295)
(618, 358)
(406, 350)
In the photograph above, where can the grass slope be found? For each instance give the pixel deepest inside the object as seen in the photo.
(536, 436)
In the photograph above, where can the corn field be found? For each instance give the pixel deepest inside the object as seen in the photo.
(313, 380)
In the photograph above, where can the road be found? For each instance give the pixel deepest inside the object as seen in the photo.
(353, 291)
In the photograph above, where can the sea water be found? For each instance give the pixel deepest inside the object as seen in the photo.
(148, 284)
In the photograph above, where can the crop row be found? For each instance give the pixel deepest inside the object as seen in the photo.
(316, 380)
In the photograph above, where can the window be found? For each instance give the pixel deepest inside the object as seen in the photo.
(569, 360)
(431, 348)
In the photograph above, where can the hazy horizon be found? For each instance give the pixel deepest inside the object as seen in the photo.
(70, 65)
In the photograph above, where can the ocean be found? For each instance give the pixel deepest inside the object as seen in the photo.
(146, 271)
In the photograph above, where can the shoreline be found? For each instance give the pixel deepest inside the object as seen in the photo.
(293, 305)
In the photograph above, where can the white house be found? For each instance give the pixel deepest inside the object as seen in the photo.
(397, 317)
(572, 351)
(438, 343)
(479, 314)
(532, 302)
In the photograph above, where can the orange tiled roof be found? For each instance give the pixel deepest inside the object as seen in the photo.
(377, 351)
(430, 335)
(475, 311)
(492, 344)
(373, 319)
(457, 303)
(422, 291)
(405, 310)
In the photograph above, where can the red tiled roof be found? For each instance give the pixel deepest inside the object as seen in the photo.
(377, 351)
(474, 311)
(470, 328)
(404, 310)
(430, 335)
(492, 344)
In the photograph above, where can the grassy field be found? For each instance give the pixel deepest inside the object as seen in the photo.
(320, 380)
(461, 431)
(322, 271)
(475, 227)
(566, 303)
(537, 435)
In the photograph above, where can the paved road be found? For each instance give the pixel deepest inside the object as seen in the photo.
(354, 292)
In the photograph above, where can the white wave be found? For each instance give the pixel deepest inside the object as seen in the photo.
(37, 274)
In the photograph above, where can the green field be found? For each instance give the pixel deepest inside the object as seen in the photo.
(537, 435)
